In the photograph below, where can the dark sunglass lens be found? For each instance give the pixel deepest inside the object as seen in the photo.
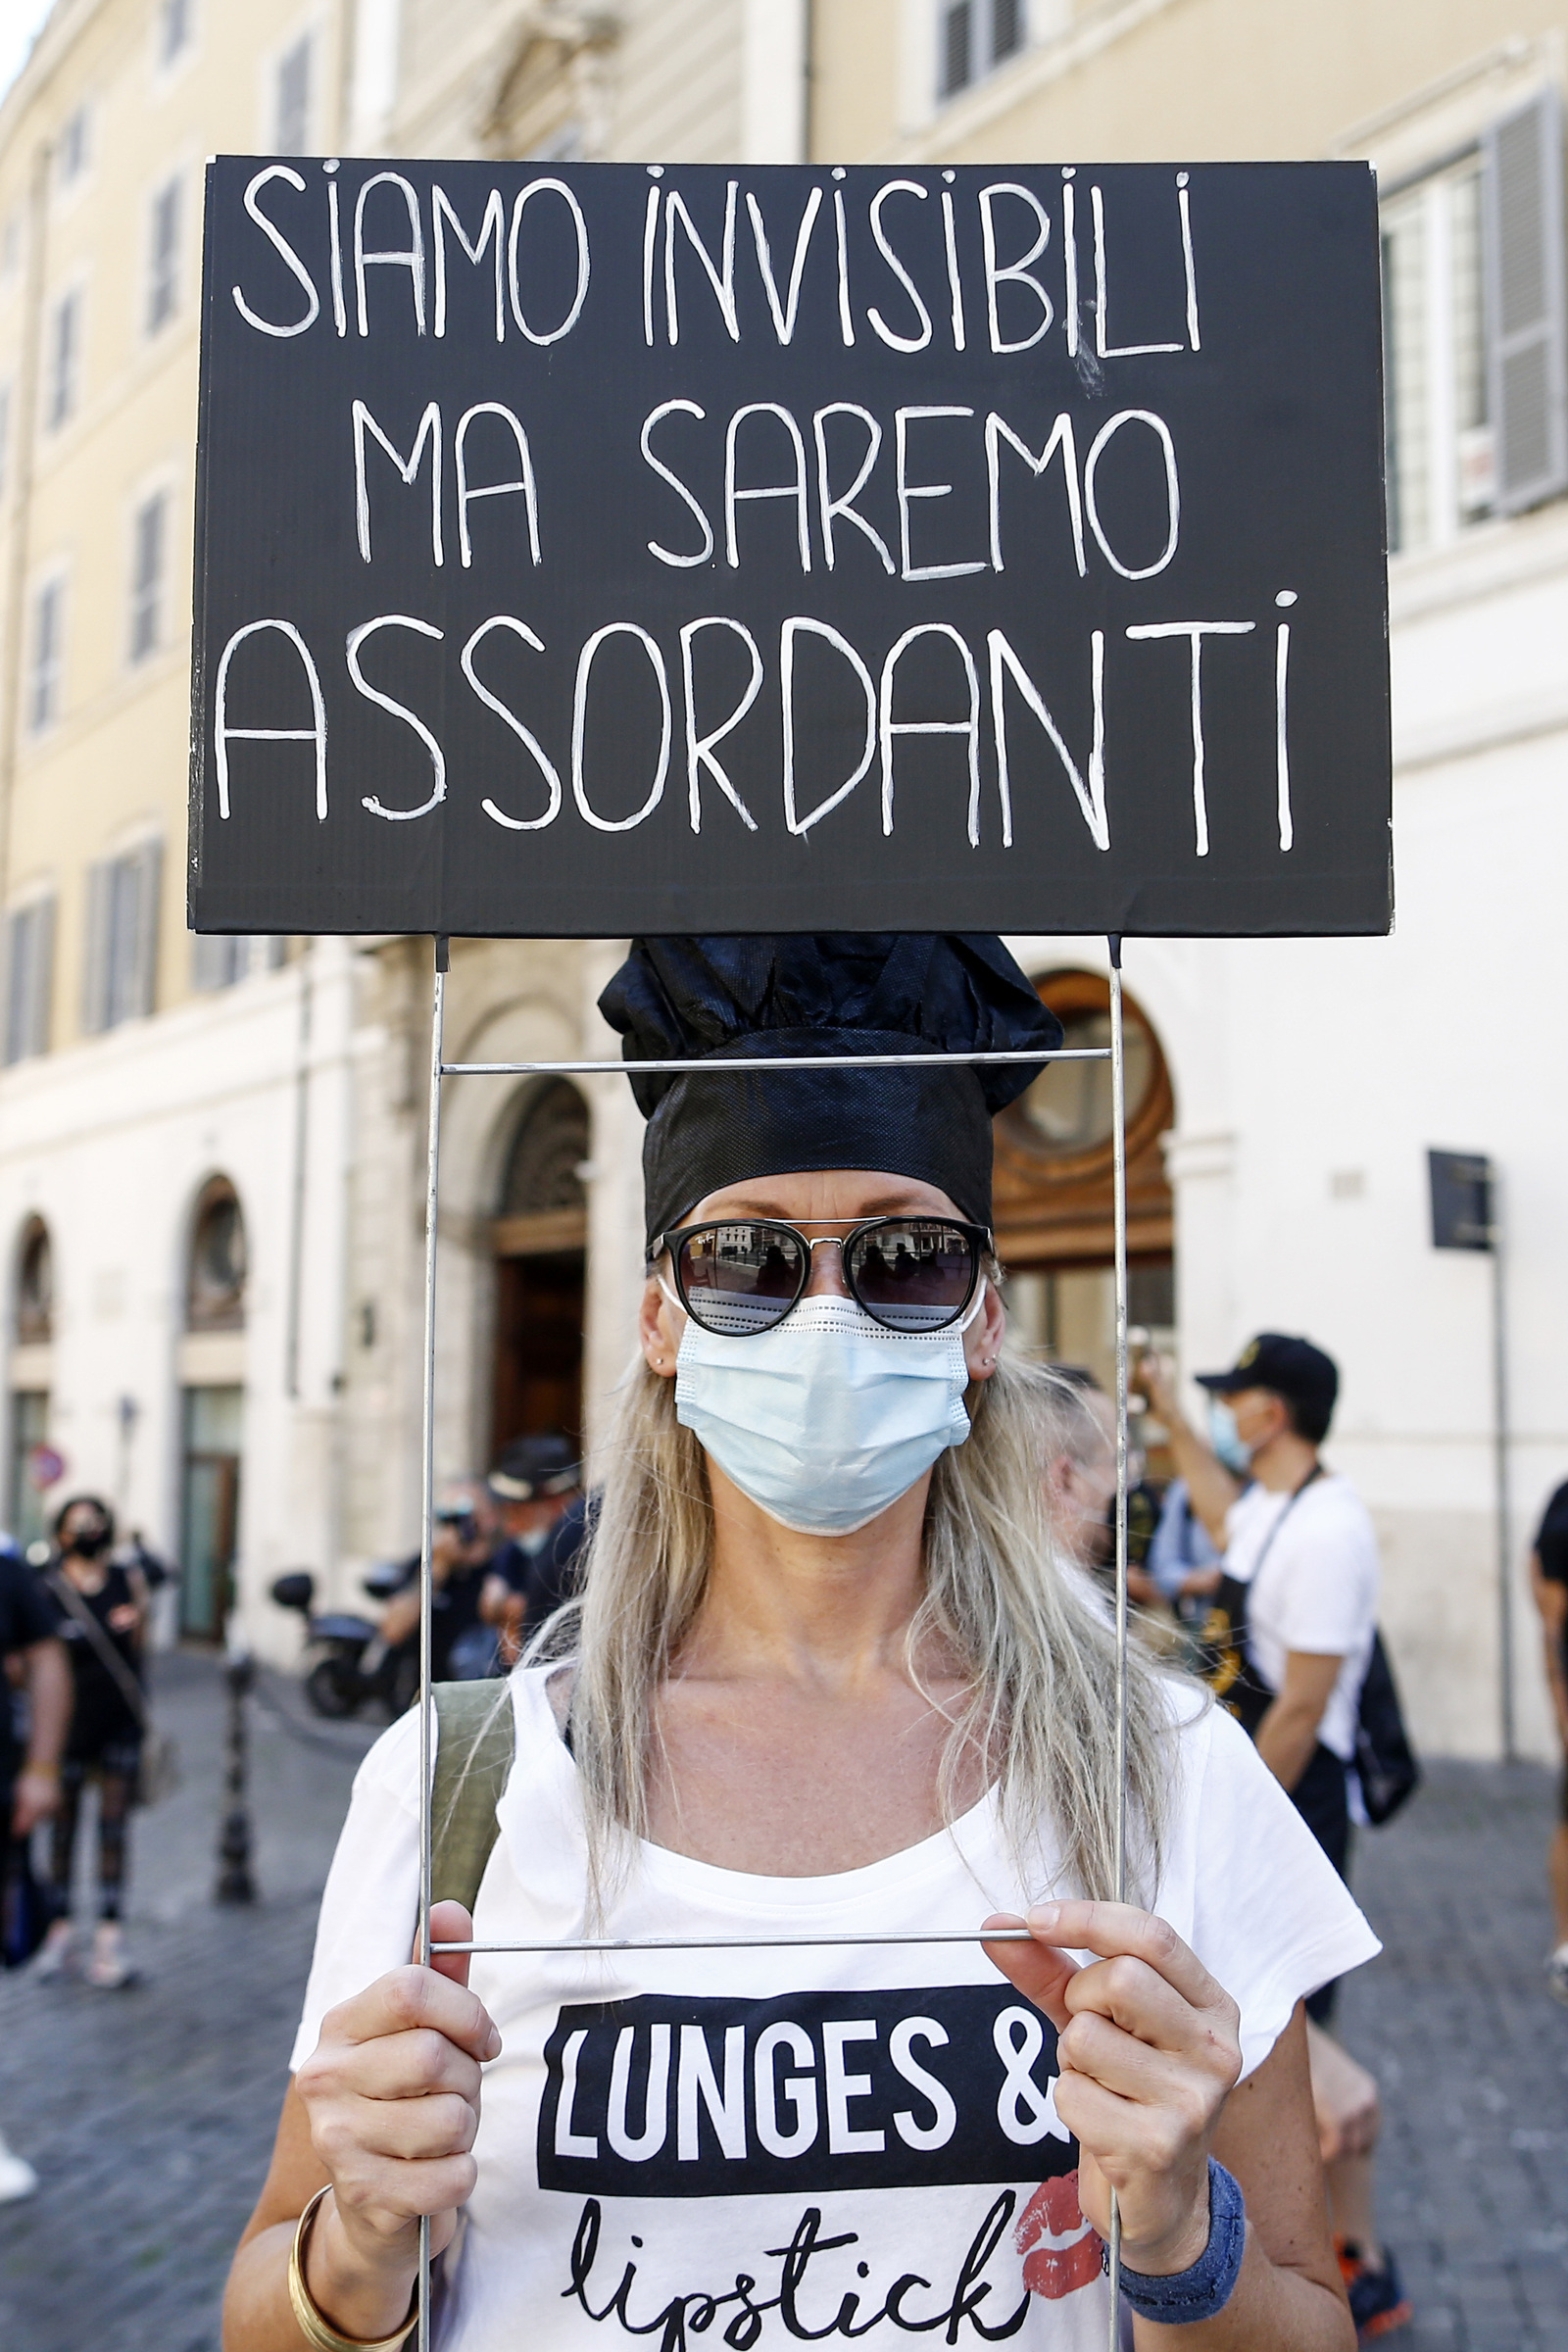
(914, 1276)
(741, 1277)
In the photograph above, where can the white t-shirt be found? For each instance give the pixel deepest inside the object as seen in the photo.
(835, 2143)
(1316, 1590)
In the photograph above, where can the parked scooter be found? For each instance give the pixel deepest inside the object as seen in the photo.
(354, 1665)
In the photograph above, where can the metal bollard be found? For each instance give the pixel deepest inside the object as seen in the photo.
(235, 1884)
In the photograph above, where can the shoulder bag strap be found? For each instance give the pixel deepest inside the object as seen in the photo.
(474, 1760)
(1316, 1472)
(70, 1600)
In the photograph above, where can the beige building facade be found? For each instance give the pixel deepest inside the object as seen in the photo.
(172, 1243)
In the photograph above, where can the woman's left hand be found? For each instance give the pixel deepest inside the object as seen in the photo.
(1149, 2048)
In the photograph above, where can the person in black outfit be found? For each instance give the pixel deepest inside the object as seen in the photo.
(537, 1484)
(1549, 1575)
(87, 1590)
(462, 1648)
(29, 1778)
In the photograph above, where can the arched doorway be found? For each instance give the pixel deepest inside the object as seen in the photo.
(540, 1237)
(212, 1409)
(1055, 1213)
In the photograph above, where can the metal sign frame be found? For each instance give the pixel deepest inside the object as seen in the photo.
(440, 1070)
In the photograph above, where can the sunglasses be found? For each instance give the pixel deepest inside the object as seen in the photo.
(743, 1274)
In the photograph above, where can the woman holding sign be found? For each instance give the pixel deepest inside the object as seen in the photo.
(829, 1679)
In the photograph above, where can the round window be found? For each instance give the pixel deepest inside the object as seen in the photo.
(1066, 1113)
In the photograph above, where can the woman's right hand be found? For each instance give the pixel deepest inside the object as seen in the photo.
(392, 2093)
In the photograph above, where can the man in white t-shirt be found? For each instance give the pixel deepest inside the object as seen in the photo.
(1300, 1559)
(1295, 1619)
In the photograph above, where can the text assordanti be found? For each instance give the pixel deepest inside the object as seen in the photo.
(828, 1675)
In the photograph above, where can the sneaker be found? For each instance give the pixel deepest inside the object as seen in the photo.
(55, 1955)
(107, 1971)
(1557, 1975)
(16, 2177)
(1378, 2301)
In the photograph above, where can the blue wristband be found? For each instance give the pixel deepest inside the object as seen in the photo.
(1198, 2293)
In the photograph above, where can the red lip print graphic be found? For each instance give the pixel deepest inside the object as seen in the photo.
(1061, 2249)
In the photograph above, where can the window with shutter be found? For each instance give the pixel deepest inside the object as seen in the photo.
(65, 348)
(147, 576)
(122, 938)
(71, 150)
(95, 965)
(142, 962)
(218, 960)
(29, 970)
(1438, 401)
(972, 36)
(173, 29)
(1523, 232)
(162, 258)
(294, 99)
(48, 653)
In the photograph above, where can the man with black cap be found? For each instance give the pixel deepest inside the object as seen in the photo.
(1289, 1639)
(1301, 1569)
(537, 1482)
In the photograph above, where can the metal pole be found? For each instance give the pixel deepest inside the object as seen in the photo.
(302, 1149)
(1499, 1385)
(433, 1171)
(1118, 1134)
(599, 1946)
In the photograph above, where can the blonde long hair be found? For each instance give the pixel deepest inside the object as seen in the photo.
(1031, 1633)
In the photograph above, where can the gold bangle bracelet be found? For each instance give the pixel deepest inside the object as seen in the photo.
(319, 2332)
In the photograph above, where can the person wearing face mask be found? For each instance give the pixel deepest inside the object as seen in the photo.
(830, 1693)
(1289, 1638)
(1081, 1485)
(100, 1608)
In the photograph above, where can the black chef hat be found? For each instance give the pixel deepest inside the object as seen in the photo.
(837, 992)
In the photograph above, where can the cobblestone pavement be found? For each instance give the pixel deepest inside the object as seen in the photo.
(149, 2113)
(1473, 2059)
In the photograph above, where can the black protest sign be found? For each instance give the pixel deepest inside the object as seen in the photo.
(606, 549)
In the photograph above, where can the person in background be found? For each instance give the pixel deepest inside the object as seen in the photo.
(1549, 1576)
(1183, 1562)
(537, 1484)
(1080, 1477)
(1291, 1632)
(462, 1646)
(88, 1589)
(29, 1778)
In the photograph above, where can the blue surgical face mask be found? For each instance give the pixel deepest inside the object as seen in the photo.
(826, 1419)
(1226, 1438)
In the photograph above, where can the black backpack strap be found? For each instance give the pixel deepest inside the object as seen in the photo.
(473, 1758)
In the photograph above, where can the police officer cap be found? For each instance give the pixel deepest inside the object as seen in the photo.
(850, 993)
(1290, 1368)
(544, 1463)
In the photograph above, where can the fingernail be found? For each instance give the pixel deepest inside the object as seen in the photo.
(492, 2049)
(1045, 1916)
